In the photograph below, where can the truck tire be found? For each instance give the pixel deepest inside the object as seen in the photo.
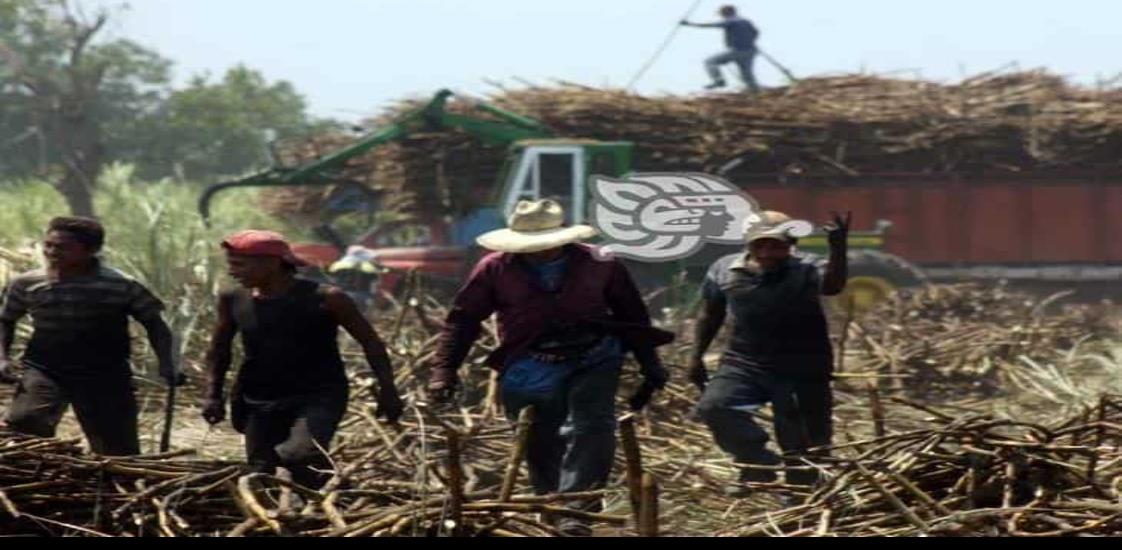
(873, 277)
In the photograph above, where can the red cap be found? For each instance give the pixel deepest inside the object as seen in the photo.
(256, 242)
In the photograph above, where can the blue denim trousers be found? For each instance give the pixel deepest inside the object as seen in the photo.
(744, 61)
(802, 418)
(572, 438)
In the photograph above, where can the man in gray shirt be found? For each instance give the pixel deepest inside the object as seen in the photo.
(78, 351)
(740, 38)
(779, 350)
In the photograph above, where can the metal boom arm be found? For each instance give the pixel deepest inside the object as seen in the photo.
(509, 128)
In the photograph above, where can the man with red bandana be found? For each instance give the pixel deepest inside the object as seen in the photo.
(291, 391)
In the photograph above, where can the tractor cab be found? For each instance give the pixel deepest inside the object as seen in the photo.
(558, 169)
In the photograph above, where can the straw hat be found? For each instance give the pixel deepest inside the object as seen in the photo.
(535, 226)
(777, 225)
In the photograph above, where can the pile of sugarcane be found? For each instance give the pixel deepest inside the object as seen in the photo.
(841, 126)
(452, 469)
(964, 336)
(940, 473)
(967, 475)
(48, 487)
(427, 174)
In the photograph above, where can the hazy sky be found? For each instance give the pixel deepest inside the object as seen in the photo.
(351, 57)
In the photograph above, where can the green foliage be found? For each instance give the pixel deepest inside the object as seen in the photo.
(119, 91)
(45, 86)
(28, 207)
(213, 129)
(152, 233)
(131, 210)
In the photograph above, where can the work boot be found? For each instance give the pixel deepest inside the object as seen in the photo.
(749, 475)
(737, 490)
(573, 527)
(297, 502)
(790, 500)
(806, 478)
(716, 84)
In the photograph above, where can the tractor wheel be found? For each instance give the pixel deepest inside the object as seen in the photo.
(873, 277)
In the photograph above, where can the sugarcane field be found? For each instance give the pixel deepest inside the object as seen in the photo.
(662, 269)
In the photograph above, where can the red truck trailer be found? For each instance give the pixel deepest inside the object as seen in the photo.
(1057, 228)
(1046, 231)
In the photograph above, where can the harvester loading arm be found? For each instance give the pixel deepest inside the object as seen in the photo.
(509, 127)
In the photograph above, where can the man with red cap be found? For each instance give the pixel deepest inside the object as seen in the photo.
(291, 390)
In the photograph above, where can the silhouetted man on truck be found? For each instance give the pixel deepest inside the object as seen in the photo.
(740, 38)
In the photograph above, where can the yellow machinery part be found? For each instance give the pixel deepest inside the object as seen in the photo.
(865, 292)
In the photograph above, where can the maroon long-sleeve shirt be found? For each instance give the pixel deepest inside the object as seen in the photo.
(595, 290)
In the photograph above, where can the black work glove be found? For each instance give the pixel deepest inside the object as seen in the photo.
(837, 230)
(642, 396)
(442, 385)
(655, 378)
(177, 379)
(390, 405)
(214, 410)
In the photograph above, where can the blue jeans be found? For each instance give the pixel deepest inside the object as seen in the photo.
(802, 418)
(744, 60)
(572, 439)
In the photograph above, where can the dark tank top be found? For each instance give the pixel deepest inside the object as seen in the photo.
(290, 343)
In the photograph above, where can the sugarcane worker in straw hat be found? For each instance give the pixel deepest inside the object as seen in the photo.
(291, 391)
(779, 350)
(566, 314)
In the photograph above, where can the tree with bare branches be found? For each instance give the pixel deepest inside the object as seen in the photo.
(60, 84)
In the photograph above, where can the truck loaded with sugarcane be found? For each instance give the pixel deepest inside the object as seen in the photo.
(535, 165)
(989, 192)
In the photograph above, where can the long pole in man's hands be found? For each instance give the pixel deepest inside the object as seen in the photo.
(790, 76)
(665, 43)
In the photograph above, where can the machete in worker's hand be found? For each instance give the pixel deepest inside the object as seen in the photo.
(169, 413)
(176, 378)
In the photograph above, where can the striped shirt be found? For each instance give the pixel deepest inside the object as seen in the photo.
(80, 324)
